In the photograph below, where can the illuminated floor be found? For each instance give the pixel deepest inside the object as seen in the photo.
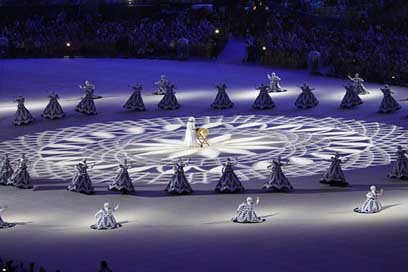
(312, 229)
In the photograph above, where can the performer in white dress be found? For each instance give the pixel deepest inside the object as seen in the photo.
(6, 171)
(22, 116)
(21, 178)
(306, 99)
(169, 100)
(277, 181)
(246, 212)
(372, 204)
(350, 99)
(53, 110)
(178, 183)
(222, 100)
(229, 181)
(358, 84)
(105, 219)
(3, 224)
(81, 182)
(162, 85)
(135, 101)
(400, 166)
(123, 182)
(388, 104)
(334, 176)
(263, 101)
(87, 104)
(190, 138)
(274, 85)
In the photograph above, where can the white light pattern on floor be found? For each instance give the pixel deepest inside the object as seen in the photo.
(152, 145)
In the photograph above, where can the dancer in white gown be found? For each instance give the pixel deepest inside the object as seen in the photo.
(6, 171)
(3, 224)
(105, 219)
(358, 85)
(274, 85)
(372, 204)
(162, 85)
(246, 212)
(190, 138)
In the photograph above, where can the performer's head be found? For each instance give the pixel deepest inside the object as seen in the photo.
(373, 188)
(191, 119)
(250, 200)
(399, 147)
(357, 75)
(106, 206)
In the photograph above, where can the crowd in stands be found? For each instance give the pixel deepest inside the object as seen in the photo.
(375, 49)
(159, 36)
(18, 266)
(372, 45)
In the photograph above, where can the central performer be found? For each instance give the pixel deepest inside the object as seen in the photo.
(190, 138)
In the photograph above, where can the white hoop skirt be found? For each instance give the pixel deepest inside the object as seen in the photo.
(246, 214)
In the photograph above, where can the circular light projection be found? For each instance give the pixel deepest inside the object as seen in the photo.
(152, 145)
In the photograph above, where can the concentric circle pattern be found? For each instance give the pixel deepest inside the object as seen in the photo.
(152, 145)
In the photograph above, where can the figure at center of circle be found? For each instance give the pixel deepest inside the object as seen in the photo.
(190, 138)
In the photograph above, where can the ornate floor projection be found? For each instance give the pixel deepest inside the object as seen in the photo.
(151, 145)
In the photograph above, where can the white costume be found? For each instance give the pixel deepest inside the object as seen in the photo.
(190, 138)
(372, 204)
(358, 85)
(4, 225)
(246, 212)
(274, 85)
(162, 85)
(105, 218)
